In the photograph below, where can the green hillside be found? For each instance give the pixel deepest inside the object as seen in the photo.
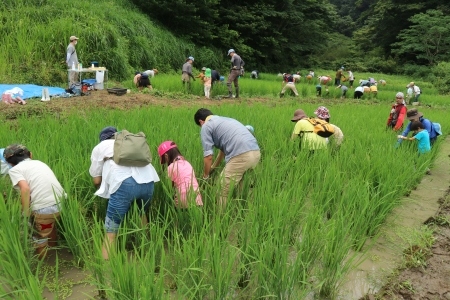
(35, 35)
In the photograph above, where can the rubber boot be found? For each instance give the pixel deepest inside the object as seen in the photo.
(237, 92)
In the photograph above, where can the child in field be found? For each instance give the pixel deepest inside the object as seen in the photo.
(421, 135)
(40, 192)
(207, 83)
(181, 173)
(13, 96)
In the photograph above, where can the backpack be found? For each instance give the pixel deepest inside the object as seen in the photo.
(131, 150)
(321, 128)
(437, 128)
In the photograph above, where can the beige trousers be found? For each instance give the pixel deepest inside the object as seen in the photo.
(291, 87)
(234, 171)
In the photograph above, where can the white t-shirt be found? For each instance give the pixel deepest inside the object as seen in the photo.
(112, 174)
(45, 189)
(150, 73)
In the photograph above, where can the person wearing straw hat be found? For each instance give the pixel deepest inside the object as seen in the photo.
(72, 59)
(413, 115)
(323, 113)
(237, 65)
(339, 75)
(398, 113)
(186, 72)
(305, 130)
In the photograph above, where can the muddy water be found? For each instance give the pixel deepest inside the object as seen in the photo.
(384, 254)
(74, 283)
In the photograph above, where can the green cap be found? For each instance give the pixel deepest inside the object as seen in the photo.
(14, 149)
(208, 72)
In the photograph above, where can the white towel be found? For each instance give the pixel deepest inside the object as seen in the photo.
(100, 76)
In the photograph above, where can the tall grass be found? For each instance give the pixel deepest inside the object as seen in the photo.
(114, 33)
(289, 234)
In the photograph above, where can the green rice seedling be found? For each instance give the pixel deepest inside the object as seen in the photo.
(20, 268)
(74, 224)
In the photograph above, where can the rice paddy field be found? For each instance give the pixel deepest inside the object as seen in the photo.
(292, 232)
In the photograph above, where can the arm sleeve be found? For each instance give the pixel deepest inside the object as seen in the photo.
(207, 142)
(297, 128)
(15, 176)
(401, 117)
(96, 168)
(405, 133)
(427, 124)
(68, 57)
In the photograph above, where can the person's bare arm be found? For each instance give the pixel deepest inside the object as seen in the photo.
(25, 196)
(207, 162)
(97, 181)
(218, 160)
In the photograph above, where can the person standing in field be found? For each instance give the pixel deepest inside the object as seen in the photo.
(398, 113)
(40, 192)
(416, 91)
(339, 75)
(207, 83)
(122, 185)
(323, 113)
(351, 78)
(413, 115)
(186, 72)
(288, 83)
(305, 130)
(237, 64)
(182, 175)
(72, 59)
(235, 143)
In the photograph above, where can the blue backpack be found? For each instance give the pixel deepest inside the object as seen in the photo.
(437, 128)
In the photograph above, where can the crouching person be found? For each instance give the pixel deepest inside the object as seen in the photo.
(40, 193)
(122, 185)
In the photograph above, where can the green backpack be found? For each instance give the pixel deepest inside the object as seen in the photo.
(131, 149)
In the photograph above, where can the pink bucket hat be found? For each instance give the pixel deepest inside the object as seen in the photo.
(322, 113)
(164, 147)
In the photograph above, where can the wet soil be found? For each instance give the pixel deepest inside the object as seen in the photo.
(431, 279)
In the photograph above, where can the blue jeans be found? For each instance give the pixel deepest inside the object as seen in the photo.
(120, 202)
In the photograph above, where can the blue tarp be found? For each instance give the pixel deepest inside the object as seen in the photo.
(32, 90)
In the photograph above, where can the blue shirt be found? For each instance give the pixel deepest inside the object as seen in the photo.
(228, 135)
(424, 141)
(426, 124)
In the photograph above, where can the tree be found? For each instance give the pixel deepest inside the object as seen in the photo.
(428, 38)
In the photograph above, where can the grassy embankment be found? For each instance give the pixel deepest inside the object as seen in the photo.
(35, 35)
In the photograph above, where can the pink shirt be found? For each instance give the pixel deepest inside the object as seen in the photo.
(183, 177)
